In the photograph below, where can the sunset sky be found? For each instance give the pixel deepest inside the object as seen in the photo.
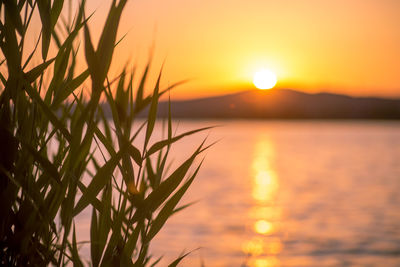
(342, 46)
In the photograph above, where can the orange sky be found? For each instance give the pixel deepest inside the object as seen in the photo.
(342, 46)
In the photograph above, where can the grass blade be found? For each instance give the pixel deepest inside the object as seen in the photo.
(94, 240)
(169, 207)
(98, 182)
(152, 113)
(34, 73)
(75, 255)
(178, 260)
(159, 145)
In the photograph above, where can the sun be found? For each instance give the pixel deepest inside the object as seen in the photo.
(264, 79)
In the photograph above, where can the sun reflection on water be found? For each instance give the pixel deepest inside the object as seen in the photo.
(263, 248)
(265, 183)
(264, 262)
(263, 227)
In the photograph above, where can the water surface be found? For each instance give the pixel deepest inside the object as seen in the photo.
(297, 193)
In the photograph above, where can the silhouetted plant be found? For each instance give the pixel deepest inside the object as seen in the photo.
(50, 133)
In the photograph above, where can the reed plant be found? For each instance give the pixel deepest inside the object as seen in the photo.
(63, 153)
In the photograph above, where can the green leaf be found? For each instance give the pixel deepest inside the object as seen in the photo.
(159, 145)
(27, 192)
(135, 154)
(178, 260)
(34, 73)
(95, 202)
(10, 46)
(132, 240)
(138, 131)
(90, 54)
(59, 70)
(115, 236)
(169, 88)
(169, 119)
(156, 262)
(67, 206)
(106, 125)
(75, 254)
(121, 99)
(46, 165)
(98, 182)
(169, 208)
(164, 190)
(3, 79)
(70, 87)
(45, 17)
(139, 93)
(178, 209)
(55, 11)
(108, 37)
(150, 174)
(12, 10)
(94, 239)
(105, 219)
(105, 141)
(161, 161)
(47, 111)
(152, 112)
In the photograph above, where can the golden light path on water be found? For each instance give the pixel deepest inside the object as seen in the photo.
(262, 249)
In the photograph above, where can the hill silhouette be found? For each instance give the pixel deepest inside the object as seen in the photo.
(284, 104)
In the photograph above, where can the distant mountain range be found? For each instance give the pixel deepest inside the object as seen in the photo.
(284, 104)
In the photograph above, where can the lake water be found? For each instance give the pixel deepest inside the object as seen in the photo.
(290, 193)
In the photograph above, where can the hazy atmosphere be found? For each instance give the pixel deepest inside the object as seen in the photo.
(347, 47)
(257, 133)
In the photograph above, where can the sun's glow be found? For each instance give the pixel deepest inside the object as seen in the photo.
(264, 79)
(263, 227)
